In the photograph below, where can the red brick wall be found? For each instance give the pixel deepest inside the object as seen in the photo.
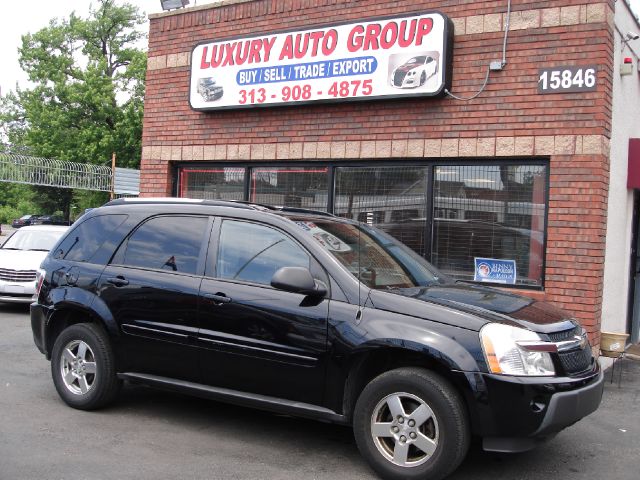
(510, 107)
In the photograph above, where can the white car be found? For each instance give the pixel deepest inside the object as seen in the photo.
(414, 72)
(20, 257)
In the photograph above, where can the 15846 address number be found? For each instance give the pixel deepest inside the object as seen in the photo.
(567, 79)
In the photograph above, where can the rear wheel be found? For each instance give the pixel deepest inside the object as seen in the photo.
(410, 423)
(83, 367)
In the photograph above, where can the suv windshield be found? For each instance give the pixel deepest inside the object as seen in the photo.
(33, 240)
(377, 259)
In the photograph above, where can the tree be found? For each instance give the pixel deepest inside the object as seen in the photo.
(87, 99)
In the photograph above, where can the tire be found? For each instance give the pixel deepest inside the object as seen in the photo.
(428, 442)
(423, 78)
(83, 367)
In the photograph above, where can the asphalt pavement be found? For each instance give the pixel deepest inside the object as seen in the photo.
(150, 434)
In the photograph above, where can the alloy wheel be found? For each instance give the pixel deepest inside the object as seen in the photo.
(78, 367)
(404, 429)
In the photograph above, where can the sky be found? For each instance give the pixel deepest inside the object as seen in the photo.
(27, 16)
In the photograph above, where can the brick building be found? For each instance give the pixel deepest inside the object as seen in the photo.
(520, 173)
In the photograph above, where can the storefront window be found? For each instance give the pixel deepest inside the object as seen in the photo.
(391, 198)
(494, 212)
(212, 183)
(489, 211)
(302, 187)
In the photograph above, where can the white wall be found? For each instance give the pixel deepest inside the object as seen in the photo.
(626, 124)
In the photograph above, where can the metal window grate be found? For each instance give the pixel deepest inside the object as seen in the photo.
(492, 211)
(391, 198)
(212, 183)
(301, 187)
(489, 211)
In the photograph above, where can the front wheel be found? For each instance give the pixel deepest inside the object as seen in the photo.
(83, 367)
(409, 423)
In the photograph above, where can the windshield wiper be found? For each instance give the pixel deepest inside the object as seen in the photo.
(10, 248)
(38, 250)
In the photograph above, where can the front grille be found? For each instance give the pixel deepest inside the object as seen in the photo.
(398, 78)
(17, 275)
(565, 334)
(576, 361)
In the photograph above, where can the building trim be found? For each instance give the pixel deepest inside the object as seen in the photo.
(409, 148)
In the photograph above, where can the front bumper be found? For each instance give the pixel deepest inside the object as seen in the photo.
(15, 298)
(17, 292)
(513, 414)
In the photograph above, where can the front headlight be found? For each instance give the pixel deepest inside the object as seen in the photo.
(516, 351)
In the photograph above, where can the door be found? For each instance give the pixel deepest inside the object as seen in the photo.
(256, 338)
(151, 288)
(634, 285)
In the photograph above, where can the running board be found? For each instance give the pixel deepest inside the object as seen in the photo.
(253, 400)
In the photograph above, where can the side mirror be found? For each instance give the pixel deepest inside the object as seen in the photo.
(298, 280)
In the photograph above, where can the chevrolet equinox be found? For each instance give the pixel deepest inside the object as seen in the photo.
(304, 313)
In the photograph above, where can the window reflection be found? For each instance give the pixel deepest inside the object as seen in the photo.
(301, 187)
(490, 211)
(254, 253)
(393, 199)
(212, 183)
(167, 243)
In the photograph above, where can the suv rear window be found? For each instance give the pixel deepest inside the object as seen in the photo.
(85, 240)
(169, 243)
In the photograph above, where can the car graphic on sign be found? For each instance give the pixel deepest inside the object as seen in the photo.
(208, 89)
(414, 72)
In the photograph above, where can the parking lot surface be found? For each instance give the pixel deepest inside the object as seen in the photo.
(150, 434)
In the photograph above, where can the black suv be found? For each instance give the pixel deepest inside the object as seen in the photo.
(308, 314)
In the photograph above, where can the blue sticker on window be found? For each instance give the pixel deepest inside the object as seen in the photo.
(494, 270)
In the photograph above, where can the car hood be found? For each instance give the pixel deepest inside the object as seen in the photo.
(407, 67)
(478, 305)
(21, 259)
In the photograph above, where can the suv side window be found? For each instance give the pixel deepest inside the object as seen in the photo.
(253, 253)
(82, 243)
(169, 243)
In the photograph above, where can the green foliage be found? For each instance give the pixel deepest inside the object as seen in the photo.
(84, 199)
(87, 98)
(15, 200)
(81, 68)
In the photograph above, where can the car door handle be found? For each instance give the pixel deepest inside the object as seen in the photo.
(118, 281)
(217, 298)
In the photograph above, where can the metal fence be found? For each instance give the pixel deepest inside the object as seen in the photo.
(62, 174)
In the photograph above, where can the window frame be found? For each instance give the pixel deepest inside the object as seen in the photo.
(429, 162)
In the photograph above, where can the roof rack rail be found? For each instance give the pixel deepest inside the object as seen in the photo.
(217, 203)
(305, 210)
(283, 208)
(178, 200)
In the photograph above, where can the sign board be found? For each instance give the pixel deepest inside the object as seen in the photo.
(567, 79)
(494, 270)
(373, 59)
